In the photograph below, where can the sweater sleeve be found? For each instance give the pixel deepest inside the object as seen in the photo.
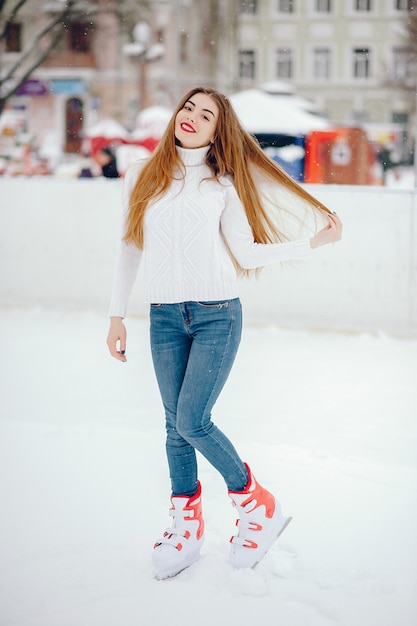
(238, 235)
(128, 256)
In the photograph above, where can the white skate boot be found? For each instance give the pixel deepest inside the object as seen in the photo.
(260, 523)
(181, 544)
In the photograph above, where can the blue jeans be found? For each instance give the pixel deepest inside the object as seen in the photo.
(194, 345)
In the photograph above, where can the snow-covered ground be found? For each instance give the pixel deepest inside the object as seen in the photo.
(327, 421)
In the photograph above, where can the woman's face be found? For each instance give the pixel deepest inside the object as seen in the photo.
(196, 122)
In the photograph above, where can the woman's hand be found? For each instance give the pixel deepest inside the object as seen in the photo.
(117, 338)
(329, 234)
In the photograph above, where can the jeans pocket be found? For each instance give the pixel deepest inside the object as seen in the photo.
(220, 304)
(156, 305)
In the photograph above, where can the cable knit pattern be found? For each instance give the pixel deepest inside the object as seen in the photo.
(185, 254)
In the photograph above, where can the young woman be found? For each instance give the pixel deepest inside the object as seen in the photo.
(198, 212)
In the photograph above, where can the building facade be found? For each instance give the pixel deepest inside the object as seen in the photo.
(113, 59)
(350, 58)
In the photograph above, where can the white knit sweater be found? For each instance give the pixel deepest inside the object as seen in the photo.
(185, 256)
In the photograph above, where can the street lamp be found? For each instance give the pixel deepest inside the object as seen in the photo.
(142, 51)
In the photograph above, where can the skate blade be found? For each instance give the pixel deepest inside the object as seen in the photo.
(279, 533)
(171, 574)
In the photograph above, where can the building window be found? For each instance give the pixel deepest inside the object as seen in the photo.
(160, 35)
(286, 6)
(405, 5)
(249, 7)
(402, 64)
(400, 118)
(360, 117)
(247, 63)
(363, 5)
(14, 37)
(361, 63)
(321, 63)
(80, 37)
(284, 63)
(323, 6)
(184, 44)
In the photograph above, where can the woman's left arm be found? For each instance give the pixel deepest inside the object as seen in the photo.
(250, 255)
(329, 234)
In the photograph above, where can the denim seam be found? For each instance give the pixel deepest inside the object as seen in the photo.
(233, 320)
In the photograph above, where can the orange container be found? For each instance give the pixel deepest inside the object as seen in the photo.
(342, 156)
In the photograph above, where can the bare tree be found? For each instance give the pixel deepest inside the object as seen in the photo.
(36, 51)
(50, 34)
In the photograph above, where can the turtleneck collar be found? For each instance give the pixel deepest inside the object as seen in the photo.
(193, 156)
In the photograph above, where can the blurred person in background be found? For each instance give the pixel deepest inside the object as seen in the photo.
(106, 159)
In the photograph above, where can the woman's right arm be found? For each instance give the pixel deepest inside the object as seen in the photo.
(116, 339)
(128, 258)
(127, 265)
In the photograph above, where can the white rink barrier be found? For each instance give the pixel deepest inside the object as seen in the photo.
(58, 242)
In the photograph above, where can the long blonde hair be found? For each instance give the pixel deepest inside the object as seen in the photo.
(234, 153)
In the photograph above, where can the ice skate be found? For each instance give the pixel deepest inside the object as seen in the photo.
(259, 524)
(181, 543)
